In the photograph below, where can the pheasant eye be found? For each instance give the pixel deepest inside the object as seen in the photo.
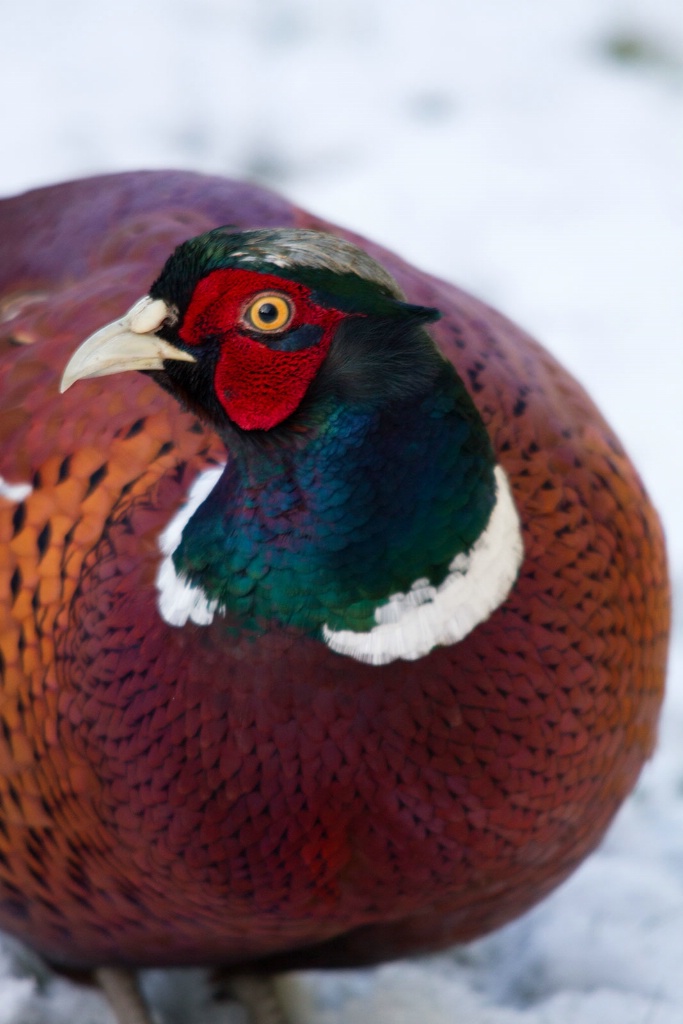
(271, 312)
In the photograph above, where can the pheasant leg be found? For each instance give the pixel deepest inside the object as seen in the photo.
(123, 992)
(259, 995)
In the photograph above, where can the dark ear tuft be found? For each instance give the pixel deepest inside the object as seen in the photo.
(419, 314)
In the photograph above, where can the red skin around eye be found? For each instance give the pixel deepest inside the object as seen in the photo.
(257, 386)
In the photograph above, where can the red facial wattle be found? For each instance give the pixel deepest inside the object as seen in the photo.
(257, 384)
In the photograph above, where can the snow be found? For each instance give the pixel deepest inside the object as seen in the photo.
(534, 154)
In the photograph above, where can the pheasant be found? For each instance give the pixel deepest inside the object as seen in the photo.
(335, 633)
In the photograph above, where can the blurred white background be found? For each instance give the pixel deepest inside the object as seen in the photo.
(532, 152)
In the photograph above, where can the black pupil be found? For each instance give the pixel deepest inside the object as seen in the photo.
(267, 312)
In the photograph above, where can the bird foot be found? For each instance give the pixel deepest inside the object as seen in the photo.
(123, 992)
(260, 997)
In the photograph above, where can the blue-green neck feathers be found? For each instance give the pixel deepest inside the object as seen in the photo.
(321, 533)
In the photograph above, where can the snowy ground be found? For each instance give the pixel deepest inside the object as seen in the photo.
(530, 151)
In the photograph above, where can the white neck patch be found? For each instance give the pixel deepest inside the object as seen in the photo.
(411, 625)
(14, 492)
(180, 601)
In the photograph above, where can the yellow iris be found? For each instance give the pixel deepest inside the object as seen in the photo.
(270, 311)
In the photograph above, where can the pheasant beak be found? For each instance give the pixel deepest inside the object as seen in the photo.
(127, 344)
